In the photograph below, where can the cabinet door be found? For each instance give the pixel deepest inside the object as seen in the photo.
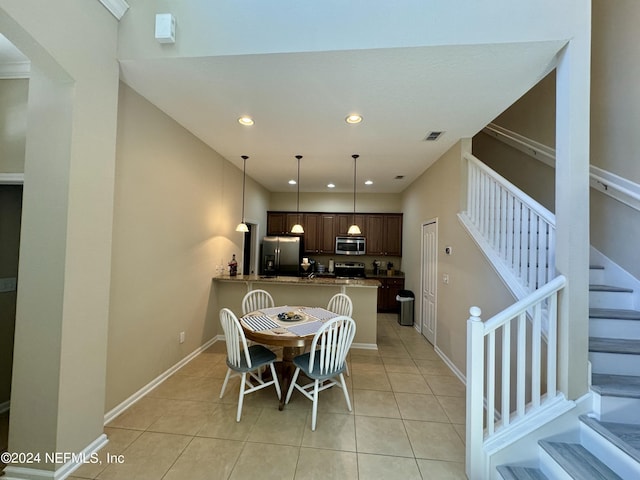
(327, 234)
(345, 220)
(312, 227)
(394, 287)
(393, 235)
(276, 223)
(375, 235)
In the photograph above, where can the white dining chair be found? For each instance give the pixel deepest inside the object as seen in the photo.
(256, 300)
(244, 360)
(342, 305)
(325, 362)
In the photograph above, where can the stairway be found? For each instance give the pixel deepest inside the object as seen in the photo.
(606, 443)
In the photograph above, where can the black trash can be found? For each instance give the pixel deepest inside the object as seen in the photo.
(406, 298)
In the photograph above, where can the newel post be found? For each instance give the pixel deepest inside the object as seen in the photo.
(475, 457)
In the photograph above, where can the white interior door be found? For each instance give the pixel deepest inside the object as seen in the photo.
(429, 280)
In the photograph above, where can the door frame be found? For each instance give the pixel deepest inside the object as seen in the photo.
(422, 263)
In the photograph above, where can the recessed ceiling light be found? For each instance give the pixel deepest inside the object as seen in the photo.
(331, 185)
(292, 182)
(369, 182)
(246, 120)
(353, 118)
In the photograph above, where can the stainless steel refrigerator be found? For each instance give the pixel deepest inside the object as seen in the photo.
(281, 256)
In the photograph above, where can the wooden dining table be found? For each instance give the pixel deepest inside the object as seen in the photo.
(289, 327)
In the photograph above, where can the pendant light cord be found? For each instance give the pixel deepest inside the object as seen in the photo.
(244, 176)
(355, 157)
(299, 157)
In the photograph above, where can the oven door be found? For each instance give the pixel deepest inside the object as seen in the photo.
(350, 246)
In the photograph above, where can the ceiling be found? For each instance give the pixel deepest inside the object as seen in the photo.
(299, 102)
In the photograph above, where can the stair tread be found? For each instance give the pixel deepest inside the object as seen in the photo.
(614, 345)
(515, 472)
(616, 385)
(577, 461)
(625, 436)
(614, 313)
(609, 288)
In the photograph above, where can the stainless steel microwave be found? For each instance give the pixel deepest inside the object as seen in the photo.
(351, 246)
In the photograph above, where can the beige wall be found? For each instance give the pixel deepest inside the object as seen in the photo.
(337, 202)
(13, 124)
(57, 397)
(177, 203)
(472, 281)
(615, 116)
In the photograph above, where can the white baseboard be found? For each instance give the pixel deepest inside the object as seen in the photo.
(113, 413)
(4, 406)
(451, 365)
(86, 455)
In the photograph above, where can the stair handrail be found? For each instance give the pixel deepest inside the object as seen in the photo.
(515, 231)
(482, 370)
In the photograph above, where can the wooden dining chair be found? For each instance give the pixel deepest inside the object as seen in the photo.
(244, 360)
(342, 305)
(325, 362)
(256, 300)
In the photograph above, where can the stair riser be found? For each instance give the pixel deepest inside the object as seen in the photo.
(620, 300)
(618, 461)
(614, 328)
(617, 409)
(614, 363)
(550, 467)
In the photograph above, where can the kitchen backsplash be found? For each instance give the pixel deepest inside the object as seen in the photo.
(366, 259)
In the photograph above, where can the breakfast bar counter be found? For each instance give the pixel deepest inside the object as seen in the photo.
(229, 291)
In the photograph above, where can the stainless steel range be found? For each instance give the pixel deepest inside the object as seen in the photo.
(349, 270)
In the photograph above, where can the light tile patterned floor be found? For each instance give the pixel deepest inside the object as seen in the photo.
(407, 422)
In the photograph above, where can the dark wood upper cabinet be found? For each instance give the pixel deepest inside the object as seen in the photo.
(383, 231)
(319, 233)
(280, 223)
(345, 220)
(384, 234)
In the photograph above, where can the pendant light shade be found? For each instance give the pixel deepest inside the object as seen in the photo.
(297, 228)
(242, 227)
(354, 229)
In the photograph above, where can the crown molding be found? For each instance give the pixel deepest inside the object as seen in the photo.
(15, 70)
(116, 7)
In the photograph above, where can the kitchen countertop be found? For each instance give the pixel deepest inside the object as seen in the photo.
(351, 282)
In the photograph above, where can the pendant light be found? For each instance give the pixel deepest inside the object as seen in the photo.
(297, 228)
(354, 229)
(242, 227)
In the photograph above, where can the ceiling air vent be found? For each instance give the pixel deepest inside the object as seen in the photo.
(398, 177)
(433, 136)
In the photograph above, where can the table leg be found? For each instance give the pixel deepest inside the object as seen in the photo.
(287, 369)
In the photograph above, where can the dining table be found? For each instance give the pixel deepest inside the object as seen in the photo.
(289, 327)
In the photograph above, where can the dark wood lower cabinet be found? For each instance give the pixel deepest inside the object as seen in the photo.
(390, 287)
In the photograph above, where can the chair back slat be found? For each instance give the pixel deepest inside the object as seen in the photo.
(341, 304)
(333, 342)
(234, 338)
(256, 300)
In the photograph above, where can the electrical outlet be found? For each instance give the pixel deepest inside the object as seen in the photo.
(181, 337)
